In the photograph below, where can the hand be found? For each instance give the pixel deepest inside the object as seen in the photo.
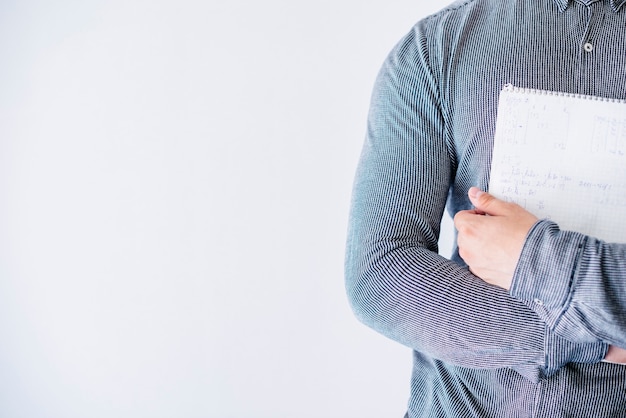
(491, 245)
(615, 355)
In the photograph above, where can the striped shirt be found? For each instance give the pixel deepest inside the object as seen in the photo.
(480, 351)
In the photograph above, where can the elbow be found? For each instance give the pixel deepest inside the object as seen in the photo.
(371, 284)
(354, 293)
(363, 295)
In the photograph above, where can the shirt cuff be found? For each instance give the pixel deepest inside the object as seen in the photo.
(545, 273)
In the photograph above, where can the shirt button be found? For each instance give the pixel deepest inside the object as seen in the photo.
(588, 47)
(538, 302)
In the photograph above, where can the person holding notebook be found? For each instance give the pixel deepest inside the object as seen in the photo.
(572, 278)
(481, 350)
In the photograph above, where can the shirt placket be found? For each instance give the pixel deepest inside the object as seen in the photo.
(593, 14)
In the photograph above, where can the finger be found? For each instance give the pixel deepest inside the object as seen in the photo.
(468, 213)
(487, 203)
(463, 217)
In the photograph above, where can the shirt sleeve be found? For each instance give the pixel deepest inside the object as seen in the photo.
(395, 280)
(576, 283)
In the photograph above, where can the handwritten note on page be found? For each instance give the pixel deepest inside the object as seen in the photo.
(563, 157)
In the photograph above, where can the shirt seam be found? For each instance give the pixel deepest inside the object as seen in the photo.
(450, 8)
(441, 102)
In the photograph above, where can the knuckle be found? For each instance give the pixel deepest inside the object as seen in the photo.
(465, 254)
(459, 219)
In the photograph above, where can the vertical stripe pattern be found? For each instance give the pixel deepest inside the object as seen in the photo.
(478, 351)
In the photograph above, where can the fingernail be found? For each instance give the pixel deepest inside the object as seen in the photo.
(475, 192)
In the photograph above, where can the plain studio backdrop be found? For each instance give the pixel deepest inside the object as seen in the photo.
(175, 180)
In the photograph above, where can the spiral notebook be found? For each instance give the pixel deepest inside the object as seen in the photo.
(563, 157)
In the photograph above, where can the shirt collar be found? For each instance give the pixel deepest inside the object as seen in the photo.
(615, 4)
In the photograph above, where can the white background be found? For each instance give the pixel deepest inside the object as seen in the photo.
(175, 180)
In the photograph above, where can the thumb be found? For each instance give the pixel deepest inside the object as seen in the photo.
(484, 202)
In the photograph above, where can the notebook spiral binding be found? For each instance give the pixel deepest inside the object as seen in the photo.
(515, 89)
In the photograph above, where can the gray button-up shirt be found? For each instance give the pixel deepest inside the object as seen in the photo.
(480, 351)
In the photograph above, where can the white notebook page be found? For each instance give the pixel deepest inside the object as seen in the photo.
(563, 157)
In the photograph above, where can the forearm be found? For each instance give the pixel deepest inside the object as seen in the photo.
(435, 306)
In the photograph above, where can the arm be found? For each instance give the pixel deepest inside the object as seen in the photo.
(396, 282)
(575, 283)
